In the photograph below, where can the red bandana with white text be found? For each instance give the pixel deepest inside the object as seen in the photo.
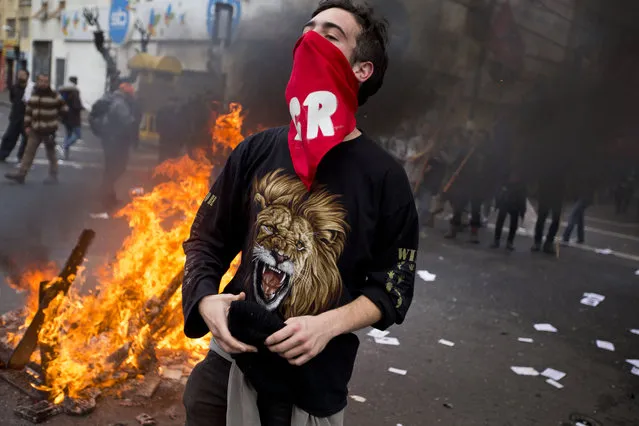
(322, 100)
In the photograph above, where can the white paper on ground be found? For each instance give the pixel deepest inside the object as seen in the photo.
(99, 215)
(637, 272)
(555, 383)
(525, 371)
(592, 299)
(545, 327)
(375, 333)
(635, 331)
(553, 374)
(426, 276)
(603, 251)
(446, 342)
(633, 362)
(357, 398)
(635, 371)
(392, 341)
(397, 371)
(526, 340)
(580, 424)
(602, 344)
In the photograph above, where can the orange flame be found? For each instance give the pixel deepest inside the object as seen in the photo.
(87, 331)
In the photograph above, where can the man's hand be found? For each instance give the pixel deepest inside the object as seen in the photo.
(215, 310)
(302, 339)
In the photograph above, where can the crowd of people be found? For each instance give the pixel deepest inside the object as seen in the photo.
(475, 173)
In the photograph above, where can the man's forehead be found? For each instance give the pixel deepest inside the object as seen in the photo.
(340, 17)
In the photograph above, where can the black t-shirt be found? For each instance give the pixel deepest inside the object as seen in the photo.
(355, 233)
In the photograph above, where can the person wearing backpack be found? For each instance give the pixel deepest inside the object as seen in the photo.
(73, 119)
(116, 121)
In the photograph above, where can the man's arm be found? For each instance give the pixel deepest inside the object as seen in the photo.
(217, 235)
(28, 115)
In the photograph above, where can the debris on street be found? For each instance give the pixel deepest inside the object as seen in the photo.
(426, 276)
(605, 251)
(397, 371)
(146, 420)
(357, 398)
(555, 383)
(525, 371)
(602, 344)
(102, 216)
(553, 374)
(545, 327)
(376, 334)
(525, 340)
(392, 341)
(592, 299)
(446, 342)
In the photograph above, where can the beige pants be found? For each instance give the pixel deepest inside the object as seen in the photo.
(34, 141)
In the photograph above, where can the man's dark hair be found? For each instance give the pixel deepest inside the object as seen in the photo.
(371, 43)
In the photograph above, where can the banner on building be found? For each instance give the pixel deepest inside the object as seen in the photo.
(164, 20)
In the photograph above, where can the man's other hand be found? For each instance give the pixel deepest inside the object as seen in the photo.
(302, 339)
(215, 310)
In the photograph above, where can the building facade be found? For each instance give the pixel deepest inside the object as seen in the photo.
(15, 19)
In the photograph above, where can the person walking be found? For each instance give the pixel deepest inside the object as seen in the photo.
(16, 118)
(72, 121)
(115, 121)
(44, 109)
(578, 213)
(551, 195)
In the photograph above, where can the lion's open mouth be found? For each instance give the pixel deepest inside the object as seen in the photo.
(271, 282)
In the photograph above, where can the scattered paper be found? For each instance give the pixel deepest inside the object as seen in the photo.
(525, 339)
(603, 251)
(426, 276)
(635, 371)
(553, 374)
(555, 383)
(602, 344)
(633, 362)
(375, 333)
(545, 327)
(397, 371)
(525, 371)
(442, 258)
(357, 398)
(392, 341)
(580, 424)
(635, 331)
(99, 215)
(637, 272)
(592, 299)
(137, 191)
(446, 342)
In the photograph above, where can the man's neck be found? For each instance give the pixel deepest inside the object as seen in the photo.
(353, 135)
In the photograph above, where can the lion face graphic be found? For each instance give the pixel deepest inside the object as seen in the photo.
(299, 237)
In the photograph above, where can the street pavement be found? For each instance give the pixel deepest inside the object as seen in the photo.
(481, 300)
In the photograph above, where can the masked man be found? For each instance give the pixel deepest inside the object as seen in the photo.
(327, 225)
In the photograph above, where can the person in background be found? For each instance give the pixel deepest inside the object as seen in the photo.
(72, 121)
(44, 108)
(16, 118)
(578, 213)
(551, 195)
(171, 128)
(511, 201)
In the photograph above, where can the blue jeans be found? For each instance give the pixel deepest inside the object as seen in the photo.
(576, 219)
(73, 134)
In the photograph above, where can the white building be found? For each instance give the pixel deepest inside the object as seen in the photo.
(186, 29)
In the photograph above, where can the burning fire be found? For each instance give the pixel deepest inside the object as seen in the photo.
(106, 336)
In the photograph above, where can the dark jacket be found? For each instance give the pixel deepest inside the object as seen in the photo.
(18, 107)
(122, 121)
(71, 95)
(44, 109)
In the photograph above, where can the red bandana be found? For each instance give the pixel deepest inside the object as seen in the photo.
(322, 99)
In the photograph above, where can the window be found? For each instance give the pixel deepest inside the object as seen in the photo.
(223, 24)
(24, 27)
(25, 3)
(11, 28)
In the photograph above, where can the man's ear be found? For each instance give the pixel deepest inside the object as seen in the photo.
(363, 71)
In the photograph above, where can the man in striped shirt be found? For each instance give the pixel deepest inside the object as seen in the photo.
(44, 109)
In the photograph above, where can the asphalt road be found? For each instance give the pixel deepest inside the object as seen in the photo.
(482, 300)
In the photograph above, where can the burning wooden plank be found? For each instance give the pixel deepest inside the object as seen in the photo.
(48, 292)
